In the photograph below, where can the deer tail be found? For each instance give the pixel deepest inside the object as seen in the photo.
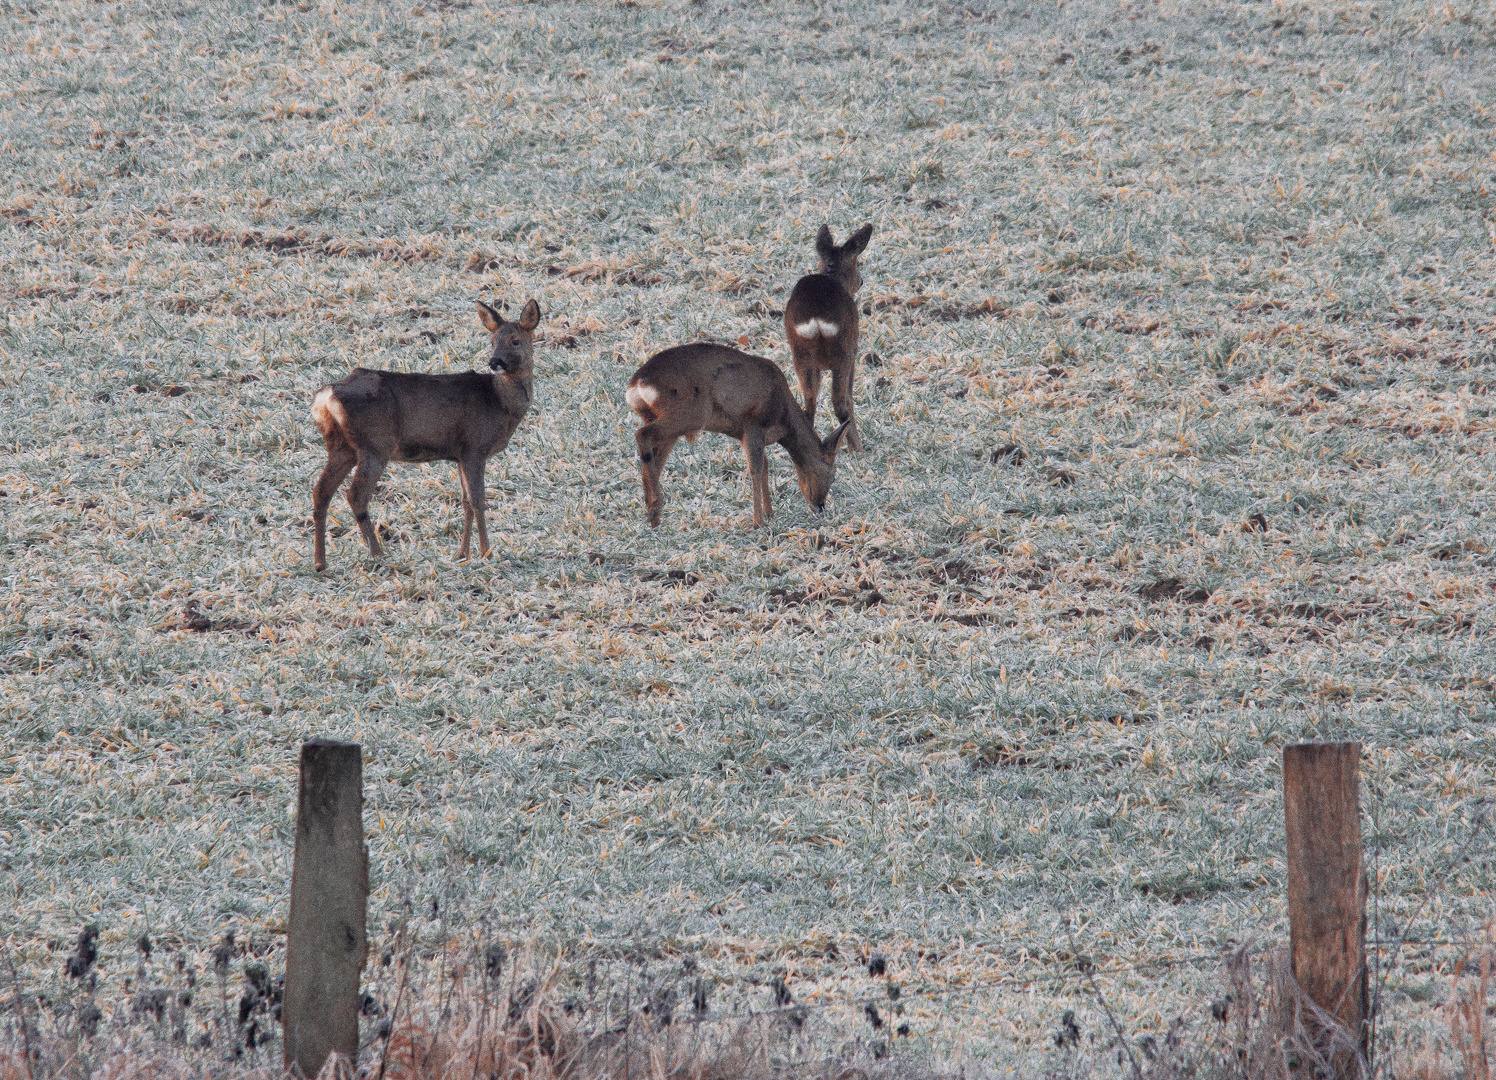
(328, 412)
(814, 328)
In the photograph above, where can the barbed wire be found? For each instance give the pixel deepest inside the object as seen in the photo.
(1387, 954)
(896, 993)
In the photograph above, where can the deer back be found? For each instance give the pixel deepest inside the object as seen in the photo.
(819, 308)
(413, 417)
(707, 387)
(404, 416)
(820, 317)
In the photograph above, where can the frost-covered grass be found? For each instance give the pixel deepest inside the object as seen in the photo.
(1221, 273)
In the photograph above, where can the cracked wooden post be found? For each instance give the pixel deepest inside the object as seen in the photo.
(1326, 884)
(326, 942)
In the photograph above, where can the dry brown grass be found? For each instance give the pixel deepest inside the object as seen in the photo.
(1274, 1032)
(1466, 1053)
(484, 1040)
(1467, 1011)
(1279, 1033)
(463, 1024)
(530, 1025)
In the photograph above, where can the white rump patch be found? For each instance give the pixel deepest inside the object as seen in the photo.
(641, 395)
(813, 328)
(328, 410)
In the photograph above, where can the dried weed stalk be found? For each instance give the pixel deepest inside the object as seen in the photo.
(1280, 1033)
(1465, 1012)
(526, 1035)
(476, 1021)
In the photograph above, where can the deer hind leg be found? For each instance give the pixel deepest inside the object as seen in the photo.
(654, 447)
(476, 505)
(360, 491)
(810, 383)
(340, 461)
(758, 475)
(841, 396)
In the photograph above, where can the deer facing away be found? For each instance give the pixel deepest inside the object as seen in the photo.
(693, 388)
(370, 418)
(820, 321)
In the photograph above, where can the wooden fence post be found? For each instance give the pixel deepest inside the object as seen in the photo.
(1326, 885)
(326, 943)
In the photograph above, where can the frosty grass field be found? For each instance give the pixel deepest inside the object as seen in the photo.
(1179, 427)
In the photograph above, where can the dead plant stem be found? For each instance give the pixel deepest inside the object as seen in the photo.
(15, 985)
(384, 1055)
(1085, 966)
(1476, 827)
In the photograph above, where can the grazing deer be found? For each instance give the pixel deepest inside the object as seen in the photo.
(820, 321)
(695, 388)
(370, 418)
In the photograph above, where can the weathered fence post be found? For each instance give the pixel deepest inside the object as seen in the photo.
(1326, 885)
(326, 943)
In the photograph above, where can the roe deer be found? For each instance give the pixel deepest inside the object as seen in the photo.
(702, 387)
(820, 320)
(370, 418)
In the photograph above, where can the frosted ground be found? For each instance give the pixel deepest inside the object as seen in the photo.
(1178, 414)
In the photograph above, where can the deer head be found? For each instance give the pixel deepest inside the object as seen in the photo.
(513, 342)
(815, 472)
(840, 261)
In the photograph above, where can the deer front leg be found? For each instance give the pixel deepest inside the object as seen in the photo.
(841, 399)
(467, 510)
(340, 462)
(477, 500)
(758, 474)
(654, 448)
(360, 491)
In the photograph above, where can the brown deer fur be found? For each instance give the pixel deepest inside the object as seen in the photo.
(820, 320)
(695, 388)
(370, 418)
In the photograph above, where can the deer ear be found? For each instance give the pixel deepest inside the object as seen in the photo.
(858, 240)
(530, 317)
(489, 318)
(831, 442)
(824, 242)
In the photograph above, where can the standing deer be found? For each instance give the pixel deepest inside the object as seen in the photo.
(820, 321)
(370, 418)
(695, 388)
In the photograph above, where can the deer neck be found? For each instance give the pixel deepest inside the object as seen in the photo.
(843, 276)
(800, 443)
(515, 388)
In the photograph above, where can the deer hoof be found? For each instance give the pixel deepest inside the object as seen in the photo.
(319, 566)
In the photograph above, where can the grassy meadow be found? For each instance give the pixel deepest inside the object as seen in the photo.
(1177, 399)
